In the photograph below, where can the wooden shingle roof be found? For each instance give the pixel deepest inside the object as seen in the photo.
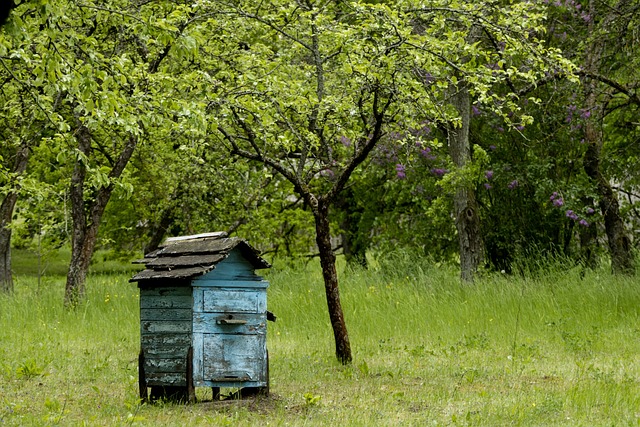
(187, 257)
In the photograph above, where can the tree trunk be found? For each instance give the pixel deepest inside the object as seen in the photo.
(464, 200)
(6, 214)
(86, 216)
(328, 263)
(159, 230)
(83, 243)
(619, 244)
(79, 265)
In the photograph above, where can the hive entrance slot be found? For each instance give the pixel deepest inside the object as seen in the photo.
(229, 320)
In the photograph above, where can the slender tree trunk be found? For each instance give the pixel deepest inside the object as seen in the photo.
(6, 277)
(82, 246)
(78, 266)
(464, 200)
(619, 244)
(86, 216)
(160, 229)
(328, 263)
(6, 214)
(618, 241)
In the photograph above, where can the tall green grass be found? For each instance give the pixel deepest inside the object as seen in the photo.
(560, 348)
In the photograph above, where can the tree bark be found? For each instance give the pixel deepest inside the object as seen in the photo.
(159, 230)
(464, 200)
(86, 215)
(6, 214)
(78, 266)
(320, 210)
(622, 261)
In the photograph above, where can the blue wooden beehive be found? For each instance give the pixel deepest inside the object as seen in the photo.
(203, 314)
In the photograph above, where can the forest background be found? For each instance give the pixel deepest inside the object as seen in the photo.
(480, 134)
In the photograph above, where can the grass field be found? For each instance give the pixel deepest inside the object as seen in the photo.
(557, 350)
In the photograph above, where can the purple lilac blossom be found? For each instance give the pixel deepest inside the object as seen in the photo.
(426, 153)
(438, 171)
(572, 215)
(488, 174)
(583, 223)
(590, 211)
(395, 136)
(513, 184)
(400, 171)
(345, 141)
(558, 202)
(487, 186)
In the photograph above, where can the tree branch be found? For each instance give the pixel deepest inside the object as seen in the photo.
(379, 117)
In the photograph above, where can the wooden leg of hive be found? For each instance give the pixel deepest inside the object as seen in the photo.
(191, 390)
(142, 380)
(215, 393)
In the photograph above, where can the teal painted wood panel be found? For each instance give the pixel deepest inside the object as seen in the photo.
(173, 314)
(198, 358)
(158, 365)
(230, 384)
(166, 379)
(234, 267)
(166, 297)
(229, 357)
(168, 346)
(221, 323)
(182, 301)
(162, 326)
(234, 301)
(165, 291)
(213, 281)
(198, 299)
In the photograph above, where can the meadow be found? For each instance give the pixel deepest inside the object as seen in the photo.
(557, 347)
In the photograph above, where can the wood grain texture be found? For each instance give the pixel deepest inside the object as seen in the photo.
(229, 357)
(214, 323)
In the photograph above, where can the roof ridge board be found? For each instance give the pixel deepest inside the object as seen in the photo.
(201, 236)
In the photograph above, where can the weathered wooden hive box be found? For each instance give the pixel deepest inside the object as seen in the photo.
(203, 314)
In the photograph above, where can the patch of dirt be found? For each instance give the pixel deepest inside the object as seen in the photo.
(257, 404)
